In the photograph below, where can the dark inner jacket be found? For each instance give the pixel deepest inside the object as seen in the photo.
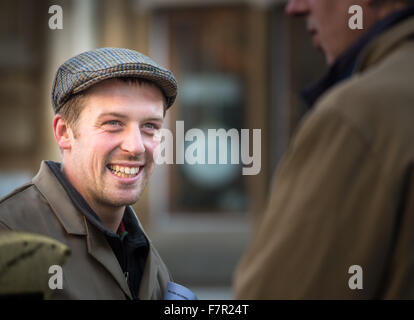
(345, 64)
(130, 247)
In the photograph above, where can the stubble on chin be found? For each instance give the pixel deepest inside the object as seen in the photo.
(133, 193)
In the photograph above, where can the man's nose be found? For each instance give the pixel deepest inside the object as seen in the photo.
(297, 8)
(132, 141)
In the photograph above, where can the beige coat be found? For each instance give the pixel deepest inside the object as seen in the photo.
(92, 271)
(343, 194)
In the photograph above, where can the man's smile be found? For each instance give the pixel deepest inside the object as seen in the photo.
(125, 171)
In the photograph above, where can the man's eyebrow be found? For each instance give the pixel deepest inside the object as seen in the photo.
(113, 114)
(123, 116)
(152, 118)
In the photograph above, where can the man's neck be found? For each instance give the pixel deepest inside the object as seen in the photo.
(111, 217)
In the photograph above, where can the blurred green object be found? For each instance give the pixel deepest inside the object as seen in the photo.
(25, 260)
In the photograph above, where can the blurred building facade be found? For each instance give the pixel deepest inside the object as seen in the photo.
(239, 64)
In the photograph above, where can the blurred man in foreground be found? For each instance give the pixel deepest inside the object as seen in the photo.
(340, 220)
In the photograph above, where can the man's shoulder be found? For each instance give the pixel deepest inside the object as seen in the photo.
(389, 80)
(17, 196)
(384, 89)
(15, 192)
(21, 205)
(376, 102)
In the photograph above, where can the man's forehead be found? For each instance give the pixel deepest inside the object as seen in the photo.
(112, 103)
(121, 114)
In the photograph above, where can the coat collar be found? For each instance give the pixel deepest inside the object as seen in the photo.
(99, 249)
(59, 200)
(386, 43)
(149, 277)
(75, 223)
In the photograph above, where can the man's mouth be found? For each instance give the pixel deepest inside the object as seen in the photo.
(124, 171)
(315, 37)
(312, 32)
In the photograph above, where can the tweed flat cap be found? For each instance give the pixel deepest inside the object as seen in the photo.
(88, 68)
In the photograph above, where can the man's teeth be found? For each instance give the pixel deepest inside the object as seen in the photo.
(124, 172)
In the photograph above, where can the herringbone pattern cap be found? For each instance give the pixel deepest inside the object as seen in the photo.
(91, 67)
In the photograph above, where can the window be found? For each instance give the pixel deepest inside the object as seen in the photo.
(210, 52)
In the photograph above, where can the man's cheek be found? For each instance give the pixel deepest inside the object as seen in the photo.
(150, 147)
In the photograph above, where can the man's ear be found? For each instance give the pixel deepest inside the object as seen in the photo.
(63, 133)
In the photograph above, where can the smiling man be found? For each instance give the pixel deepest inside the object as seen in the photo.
(109, 104)
(109, 152)
(340, 218)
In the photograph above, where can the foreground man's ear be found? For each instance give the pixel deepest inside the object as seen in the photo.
(62, 132)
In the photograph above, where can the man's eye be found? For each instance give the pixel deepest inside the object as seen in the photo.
(150, 126)
(113, 123)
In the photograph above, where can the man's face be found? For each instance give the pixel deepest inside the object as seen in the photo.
(111, 155)
(327, 22)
